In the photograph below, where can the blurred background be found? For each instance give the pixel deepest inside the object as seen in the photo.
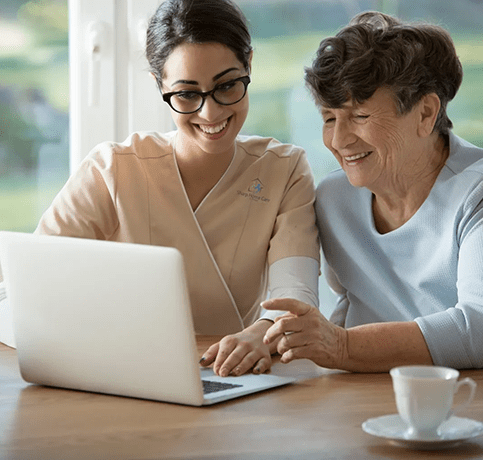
(34, 85)
(34, 108)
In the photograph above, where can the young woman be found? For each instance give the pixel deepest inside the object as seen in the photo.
(239, 208)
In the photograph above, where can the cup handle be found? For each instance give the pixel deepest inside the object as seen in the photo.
(472, 384)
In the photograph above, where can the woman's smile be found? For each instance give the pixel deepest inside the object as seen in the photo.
(355, 159)
(214, 130)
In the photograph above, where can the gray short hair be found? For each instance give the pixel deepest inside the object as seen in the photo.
(377, 50)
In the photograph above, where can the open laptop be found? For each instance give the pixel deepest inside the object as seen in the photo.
(110, 318)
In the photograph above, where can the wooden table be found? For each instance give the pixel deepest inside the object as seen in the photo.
(317, 418)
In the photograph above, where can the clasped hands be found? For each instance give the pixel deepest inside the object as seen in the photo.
(302, 332)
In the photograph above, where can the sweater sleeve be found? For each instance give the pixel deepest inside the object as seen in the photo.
(455, 336)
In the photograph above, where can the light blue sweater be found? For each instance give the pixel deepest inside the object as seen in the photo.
(429, 270)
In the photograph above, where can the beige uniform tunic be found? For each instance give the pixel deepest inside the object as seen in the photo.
(259, 212)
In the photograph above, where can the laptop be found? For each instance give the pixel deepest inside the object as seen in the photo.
(111, 318)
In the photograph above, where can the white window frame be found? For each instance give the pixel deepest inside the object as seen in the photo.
(112, 93)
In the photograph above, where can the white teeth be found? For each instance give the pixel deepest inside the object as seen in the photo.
(213, 129)
(357, 157)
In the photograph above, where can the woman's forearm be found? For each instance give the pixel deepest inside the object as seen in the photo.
(378, 347)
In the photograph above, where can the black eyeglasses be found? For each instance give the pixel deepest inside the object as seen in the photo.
(227, 93)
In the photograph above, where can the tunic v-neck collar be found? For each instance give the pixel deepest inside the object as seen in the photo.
(210, 192)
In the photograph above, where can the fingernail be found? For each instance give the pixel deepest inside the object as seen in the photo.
(257, 370)
(202, 359)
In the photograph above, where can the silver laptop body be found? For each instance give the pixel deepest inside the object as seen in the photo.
(109, 317)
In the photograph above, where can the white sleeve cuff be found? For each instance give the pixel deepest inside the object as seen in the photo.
(293, 278)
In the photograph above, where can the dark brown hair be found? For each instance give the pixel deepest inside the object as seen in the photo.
(376, 50)
(196, 21)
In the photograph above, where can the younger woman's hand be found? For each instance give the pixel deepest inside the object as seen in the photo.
(238, 353)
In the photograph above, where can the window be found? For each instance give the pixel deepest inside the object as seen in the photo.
(34, 104)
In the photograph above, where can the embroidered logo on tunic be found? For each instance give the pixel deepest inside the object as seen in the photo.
(253, 192)
(256, 186)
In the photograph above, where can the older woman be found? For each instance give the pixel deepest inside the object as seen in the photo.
(401, 222)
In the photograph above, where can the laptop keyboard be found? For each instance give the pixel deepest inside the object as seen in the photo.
(211, 387)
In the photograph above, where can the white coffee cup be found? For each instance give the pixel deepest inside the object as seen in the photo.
(424, 397)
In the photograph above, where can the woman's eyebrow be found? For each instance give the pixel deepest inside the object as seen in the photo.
(186, 82)
(194, 82)
(218, 76)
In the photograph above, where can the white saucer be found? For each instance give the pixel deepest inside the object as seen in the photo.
(452, 432)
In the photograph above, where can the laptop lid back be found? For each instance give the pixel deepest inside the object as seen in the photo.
(99, 316)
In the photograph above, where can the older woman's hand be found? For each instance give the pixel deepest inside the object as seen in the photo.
(304, 332)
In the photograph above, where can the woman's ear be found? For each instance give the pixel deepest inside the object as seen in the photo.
(429, 110)
(250, 62)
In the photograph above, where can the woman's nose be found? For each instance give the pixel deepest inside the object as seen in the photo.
(343, 134)
(210, 109)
